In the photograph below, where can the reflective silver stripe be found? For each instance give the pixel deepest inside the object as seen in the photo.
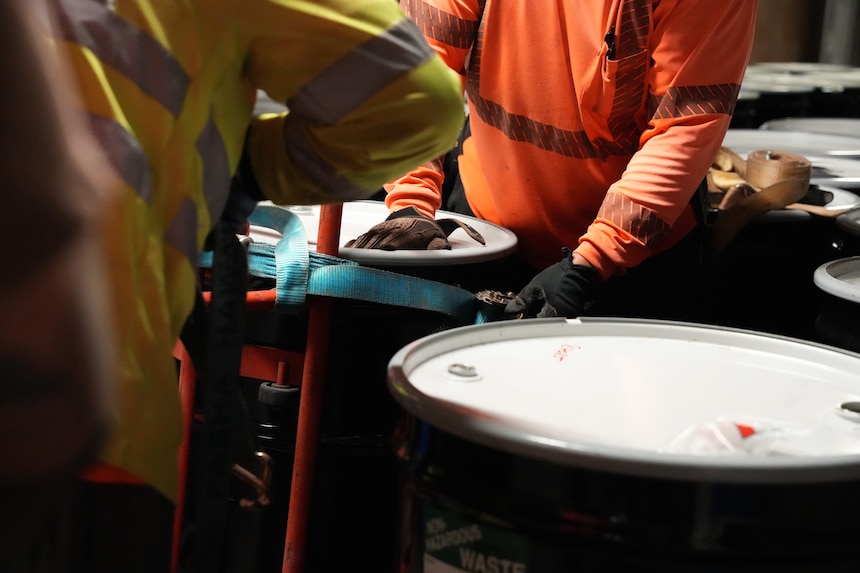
(362, 73)
(126, 48)
(182, 232)
(320, 172)
(216, 169)
(124, 153)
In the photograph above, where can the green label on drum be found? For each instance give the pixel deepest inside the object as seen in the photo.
(455, 545)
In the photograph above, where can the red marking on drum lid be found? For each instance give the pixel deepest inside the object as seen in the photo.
(745, 430)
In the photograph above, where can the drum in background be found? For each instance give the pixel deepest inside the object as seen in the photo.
(763, 281)
(844, 102)
(811, 145)
(354, 505)
(778, 97)
(613, 445)
(830, 89)
(838, 322)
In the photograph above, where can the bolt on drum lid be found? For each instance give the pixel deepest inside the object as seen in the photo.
(642, 398)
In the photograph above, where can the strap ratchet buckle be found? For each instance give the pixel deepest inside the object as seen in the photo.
(495, 302)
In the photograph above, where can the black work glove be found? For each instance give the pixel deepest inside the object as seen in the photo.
(563, 289)
(409, 229)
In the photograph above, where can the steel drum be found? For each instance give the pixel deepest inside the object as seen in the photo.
(356, 476)
(626, 445)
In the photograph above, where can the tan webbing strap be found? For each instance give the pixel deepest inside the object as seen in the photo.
(745, 188)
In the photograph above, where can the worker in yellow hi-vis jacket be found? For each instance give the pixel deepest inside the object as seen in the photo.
(169, 90)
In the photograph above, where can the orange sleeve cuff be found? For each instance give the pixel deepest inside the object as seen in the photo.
(601, 264)
(421, 188)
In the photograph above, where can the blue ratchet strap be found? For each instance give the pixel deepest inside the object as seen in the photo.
(297, 272)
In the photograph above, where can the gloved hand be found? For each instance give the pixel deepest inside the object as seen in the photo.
(563, 289)
(409, 229)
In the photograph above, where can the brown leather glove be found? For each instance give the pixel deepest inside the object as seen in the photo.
(409, 229)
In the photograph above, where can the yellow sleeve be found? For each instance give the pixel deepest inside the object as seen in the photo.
(368, 99)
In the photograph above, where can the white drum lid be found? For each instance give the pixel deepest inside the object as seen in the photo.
(616, 394)
(777, 83)
(840, 278)
(841, 126)
(748, 94)
(802, 143)
(359, 216)
(825, 152)
(797, 67)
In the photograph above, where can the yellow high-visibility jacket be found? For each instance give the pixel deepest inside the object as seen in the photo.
(169, 90)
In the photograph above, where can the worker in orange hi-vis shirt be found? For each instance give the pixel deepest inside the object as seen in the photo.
(591, 129)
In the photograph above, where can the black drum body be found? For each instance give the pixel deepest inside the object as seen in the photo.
(465, 504)
(763, 281)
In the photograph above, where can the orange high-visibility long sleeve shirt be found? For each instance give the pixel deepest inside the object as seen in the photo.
(592, 122)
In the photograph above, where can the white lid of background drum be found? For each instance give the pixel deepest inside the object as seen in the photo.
(840, 278)
(615, 395)
(774, 83)
(748, 94)
(797, 67)
(359, 216)
(802, 143)
(841, 126)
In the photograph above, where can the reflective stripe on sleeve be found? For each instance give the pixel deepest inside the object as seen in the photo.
(633, 218)
(125, 47)
(181, 233)
(685, 101)
(124, 153)
(357, 77)
(317, 169)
